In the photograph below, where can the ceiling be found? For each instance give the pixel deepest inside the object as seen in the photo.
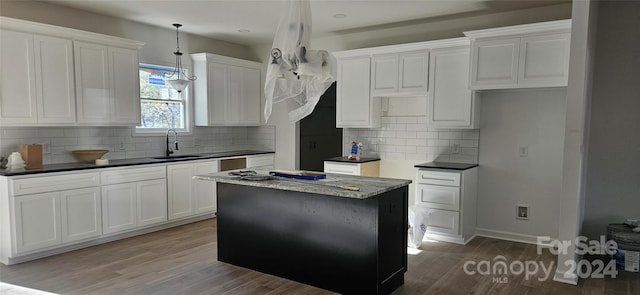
(229, 20)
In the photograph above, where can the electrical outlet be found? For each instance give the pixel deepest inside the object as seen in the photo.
(121, 146)
(46, 148)
(523, 151)
(522, 212)
(196, 141)
(455, 148)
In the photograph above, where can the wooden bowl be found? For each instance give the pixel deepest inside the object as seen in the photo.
(88, 156)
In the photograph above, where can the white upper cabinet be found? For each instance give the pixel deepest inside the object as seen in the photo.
(399, 74)
(227, 91)
(384, 74)
(107, 84)
(355, 108)
(37, 85)
(59, 76)
(450, 102)
(524, 56)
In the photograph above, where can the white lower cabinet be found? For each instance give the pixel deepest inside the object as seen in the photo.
(371, 168)
(140, 200)
(81, 214)
(52, 210)
(448, 200)
(188, 197)
(37, 221)
(118, 207)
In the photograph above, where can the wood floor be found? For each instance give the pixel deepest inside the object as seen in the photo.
(182, 260)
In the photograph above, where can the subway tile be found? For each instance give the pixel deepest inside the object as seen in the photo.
(416, 141)
(465, 143)
(471, 134)
(11, 133)
(427, 134)
(406, 149)
(409, 120)
(438, 142)
(450, 135)
(396, 141)
(407, 134)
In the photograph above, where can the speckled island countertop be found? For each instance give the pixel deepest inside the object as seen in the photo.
(368, 186)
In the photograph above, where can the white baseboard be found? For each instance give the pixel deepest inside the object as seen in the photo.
(37, 254)
(509, 236)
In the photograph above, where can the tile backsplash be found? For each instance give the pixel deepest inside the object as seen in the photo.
(58, 142)
(409, 138)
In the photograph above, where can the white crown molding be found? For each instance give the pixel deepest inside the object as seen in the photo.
(7, 23)
(559, 26)
(426, 45)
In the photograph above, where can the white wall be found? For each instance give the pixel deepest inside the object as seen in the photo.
(509, 120)
(613, 174)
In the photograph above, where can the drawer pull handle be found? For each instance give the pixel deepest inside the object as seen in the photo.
(438, 178)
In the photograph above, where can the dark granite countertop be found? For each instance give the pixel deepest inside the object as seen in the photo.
(127, 162)
(332, 185)
(346, 159)
(447, 165)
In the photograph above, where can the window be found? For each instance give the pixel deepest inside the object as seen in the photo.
(161, 106)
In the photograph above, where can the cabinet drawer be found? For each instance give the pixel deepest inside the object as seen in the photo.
(440, 197)
(342, 168)
(259, 161)
(443, 221)
(438, 178)
(43, 184)
(133, 174)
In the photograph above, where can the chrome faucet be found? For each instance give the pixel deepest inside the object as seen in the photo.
(169, 151)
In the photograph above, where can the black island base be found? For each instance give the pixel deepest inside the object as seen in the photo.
(342, 244)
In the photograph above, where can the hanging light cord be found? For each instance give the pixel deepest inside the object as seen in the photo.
(179, 69)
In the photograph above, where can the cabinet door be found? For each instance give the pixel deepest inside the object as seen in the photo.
(342, 168)
(443, 221)
(92, 83)
(205, 191)
(438, 196)
(384, 74)
(81, 216)
(451, 103)
(54, 79)
(217, 93)
(125, 85)
(544, 60)
(118, 207)
(180, 190)
(414, 67)
(151, 202)
(253, 102)
(37, 221)
(17, 79)
(235, 99)
(353, 103)
(494, 63)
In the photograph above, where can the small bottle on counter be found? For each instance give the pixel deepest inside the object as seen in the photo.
(356, 151)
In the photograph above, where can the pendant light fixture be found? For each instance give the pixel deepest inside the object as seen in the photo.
(179, 79)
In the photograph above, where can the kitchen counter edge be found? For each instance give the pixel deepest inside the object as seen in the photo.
(369, 186)
(76, 166)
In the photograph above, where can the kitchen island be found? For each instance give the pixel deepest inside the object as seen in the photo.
(316, 231)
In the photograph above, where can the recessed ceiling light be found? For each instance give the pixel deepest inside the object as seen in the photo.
(244, 30)
(339, 15)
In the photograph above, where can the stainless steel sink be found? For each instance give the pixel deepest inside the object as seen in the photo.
(176, 157)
